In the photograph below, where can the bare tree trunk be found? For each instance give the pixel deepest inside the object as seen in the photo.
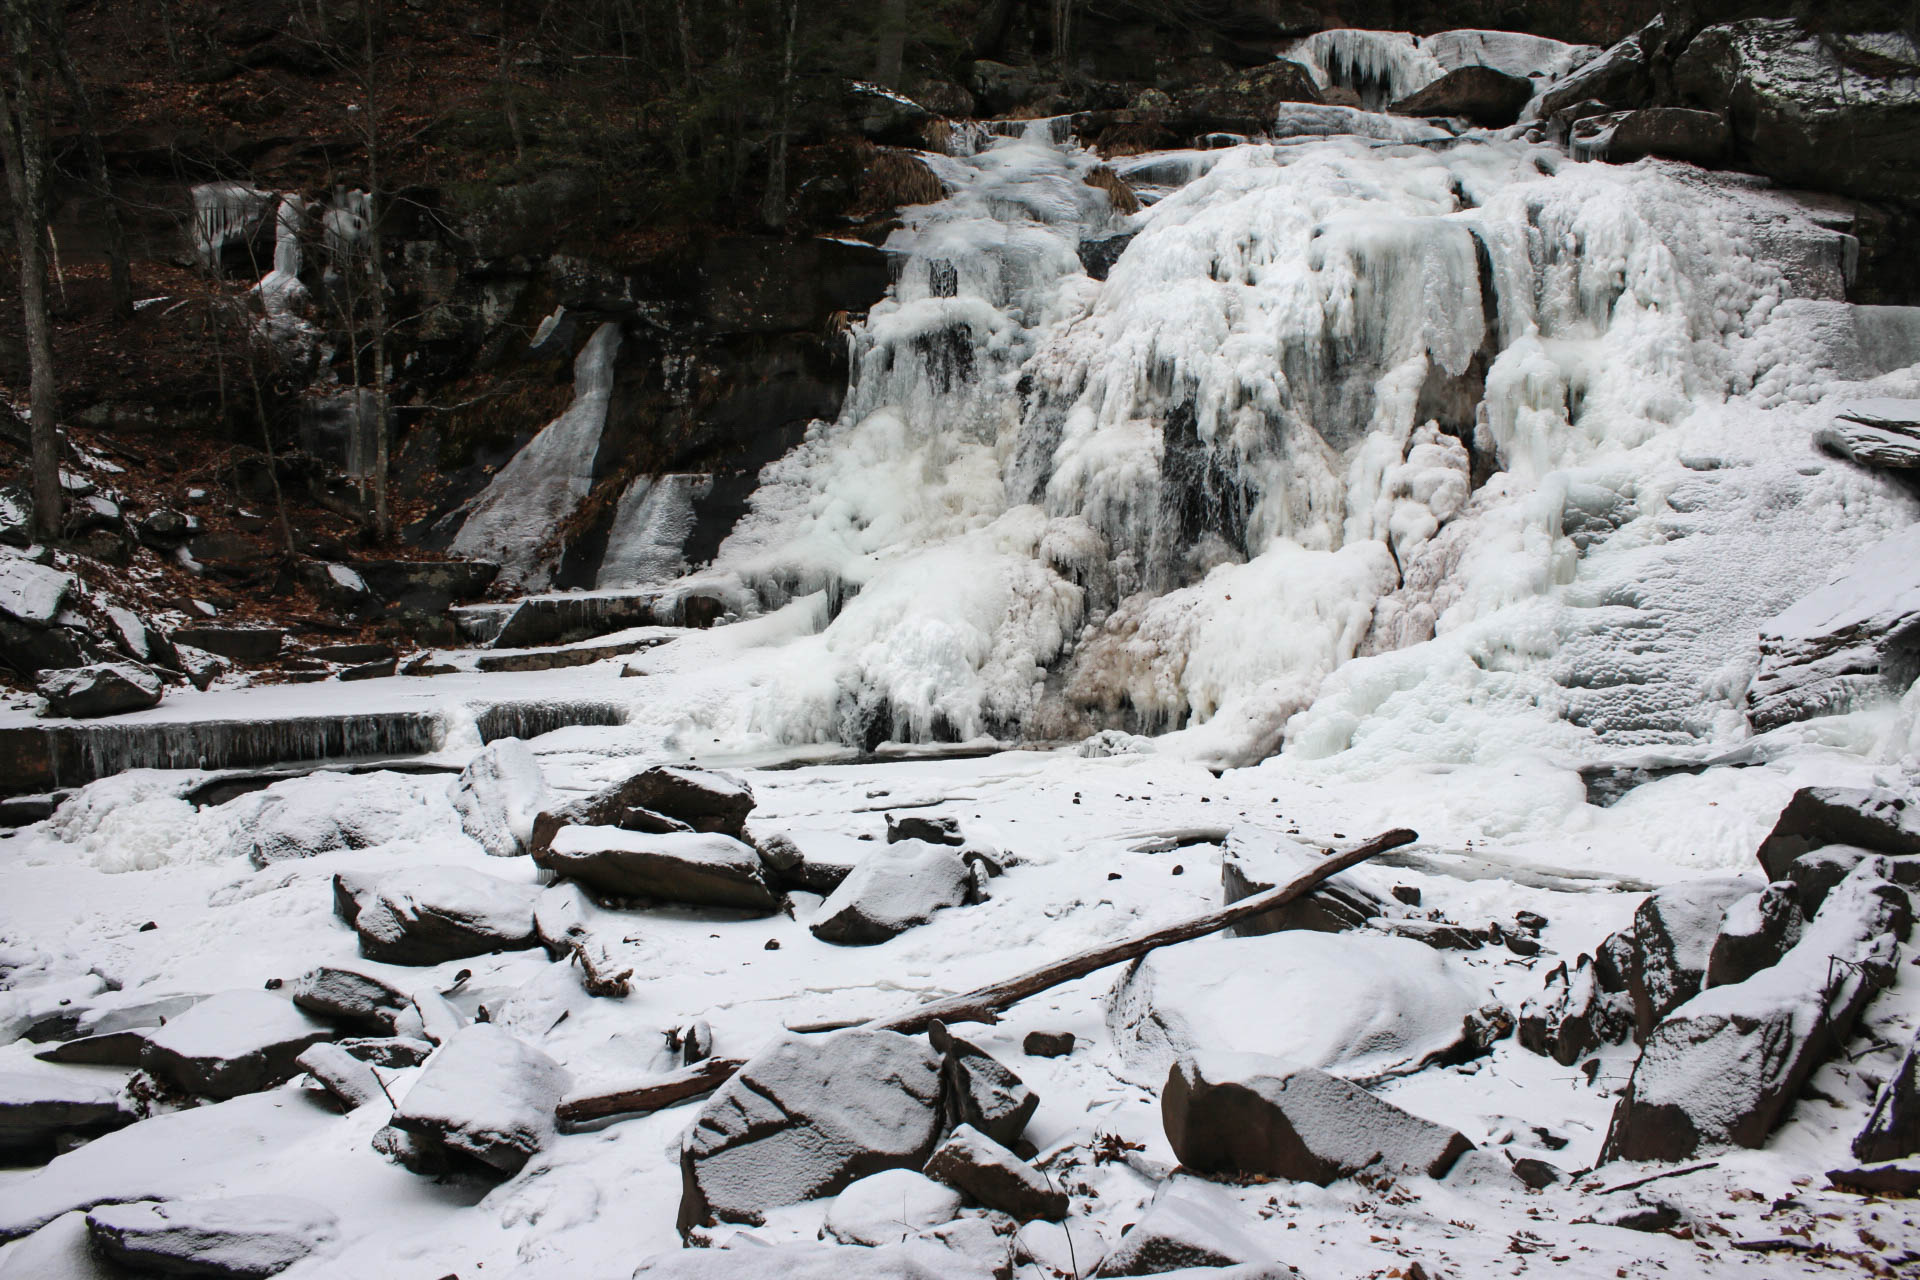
(119, 270)
(23, 138)
(773, 204)
(893, 44)
(377, 281)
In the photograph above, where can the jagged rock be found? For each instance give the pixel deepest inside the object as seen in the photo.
(1048, 1044)
(1673, 933)
(243, 1237)
(889, 1206)
(200, 667)
(891, 890)
(1869, 446)
(487, 1096)
(1813, 875)
(971, 1162)
(980, 1091)
(931, 830)
(1619, 77)
(1726, 1066)
(1491, 99)
(1359, 1005)
(1249, 1113)
(1676, 133)
(252, 645)
(102, 689)
(1866, 817)
(1255, 860)
(1892, 1129)
(707, 869)
(1756, 932)
(231, 1043)
(697, 798)
(354, 997)
(427, 915)
(1179, 1231)
(805, 1118)
(498, 796)
(36, 1109)
(348, 1079)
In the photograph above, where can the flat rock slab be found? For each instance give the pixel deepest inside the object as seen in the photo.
(429, 915)
(699, 868)
(1245, 1113)
(891, 890)
(485, 1095)
(806, 1118)
(242, 1238)
(242, 644)
(37, 1107)
(889, 1206)
(231, 1043)
(994, 1176)
(356, 998)
(1869, 446)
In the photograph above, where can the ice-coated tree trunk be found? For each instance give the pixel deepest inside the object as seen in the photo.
(23, 138)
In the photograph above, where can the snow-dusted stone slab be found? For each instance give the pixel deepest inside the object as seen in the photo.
(816, 869)
(1871, 818)
(102, 689)
(1673, 933)
(428, 915)
(698, 799)
(126, 1010)
(1255, 860)
(1815, 875)
(357, 998)
(992, 1175)
(1757, 931)
(1359, 1005)
(980, 1090)
(349, 1081)
(704, 869)
(485, 1095)
(1247, 1113)
(913, 1260)
(38, 1106)
(1726, 1066)
(891, 890)
(1180, 1230)
(389, 1051)
(889, 1206)
(498, 796)
(1869, 446)
(32, 593)
(231, 1043)
(805, 1118)
(1892, 1130)
(109, 1049)
(1842, 643)
(242, 1238)
(61, 1250)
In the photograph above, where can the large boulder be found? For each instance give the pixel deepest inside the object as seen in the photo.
(241, 1238)
(1673, 933)
(1255, 860)
(428, 915)
(499, 795)
(1871, 818)
(1756, 932)
(1252, 94)
(102, 689)
(1725, 1066)
(1359, 1005)
(706, 869)
(328, 810)
(1248, 1113)
(807, 1117)
(689, 798)
(38, 1108)
(1892, 1130)
(357, 998)
(485, 1097)
(991, 1175)
(1673, 133)
(891, 890)
(1489, 98)
(231, 1043)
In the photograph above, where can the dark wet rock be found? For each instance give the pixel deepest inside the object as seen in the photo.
(108, 1049)
(1726, 1066)
(370, 670)
(1248, 1113)
(36, 1109)
(426, 586)
(243, 1238)
(1639, 1212)
(701, 868)
(347, 1079)
(231, 1043)
(353, 654)
(1048, 1044)
(200, 667)
(355, 998)
(1892, 1130)
(102, 689)
(917, 827)
(1756, 932)
(427, 915)
(1256, 861)
(1674, 133)
(1813, 875)
(485, 1097)
(1179, 1231)
(1673, 933)
(1098, 256)
(389, 1051)
(1255, 93)
(1486, 97)
(499, 795)
(1871, 818)
(806, 1117)
(979, 1090)
(252, 645)
(991, 1175)
(885, 116)
(1441, 934)
(1618, 78)
(1894, 1181)
(892, 889)
(1536, 1174)
(699, 798)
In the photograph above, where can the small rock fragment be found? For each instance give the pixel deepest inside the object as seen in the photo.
(1048, 1044)
(985, 1170)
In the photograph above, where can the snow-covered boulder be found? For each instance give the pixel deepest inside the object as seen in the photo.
(231, 1043)
(817, 868)
(1725, 1066)
(805, 1118)
(1673, 932)
(689, 797)
(39, 1106)
(1248, 1113)
(1892, 1130)
(498, 796)
(1814, 875)
(61, 1250)
(1359, 1005)
(706, 869)
(1871, 818)
(355, 997)
(32, 593)
(487, 1096)
(1255, 860)
(427, 915)
(328, 810)
(991, 1175)
(889, 1206)
(348, 1080)
(980, 1090)
(102, 689)
(241, 1238)
(891, 890)
(1757, 931)
(1181, 1230)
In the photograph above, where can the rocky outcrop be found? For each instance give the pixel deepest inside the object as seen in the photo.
(241, 1238)
(485, 1097)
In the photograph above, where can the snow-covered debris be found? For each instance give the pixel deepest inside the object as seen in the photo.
(1361, 1006)
(1194, 1226)
(1869, 446)
(498, 796)
(806, 1117)
(328, 810)
(426, 915)
(484, 1095)
(1672, 937)
(359, 998)
(38, 1107)
(1256, 860)
(231, 1043)
(100, 689)
(1892, 1130)
(1756, 931)
(891, 890)
(980, 1090)
(1725, 1066)
(890, 1206)
(1250, 1113)
(991, 1175)
(241, 1238)
(1872, 818)
(350, 1081)
(702, 868)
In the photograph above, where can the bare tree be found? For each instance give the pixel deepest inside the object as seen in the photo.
(119, 270)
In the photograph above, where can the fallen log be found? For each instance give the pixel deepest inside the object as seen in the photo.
(662, 1091)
